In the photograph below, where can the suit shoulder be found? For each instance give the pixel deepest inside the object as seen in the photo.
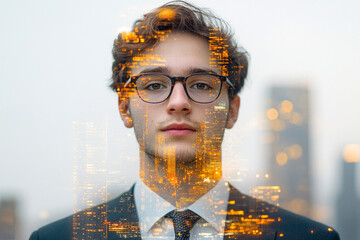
(61, 229)
(88, 220)
(291, 224)
(285, 224)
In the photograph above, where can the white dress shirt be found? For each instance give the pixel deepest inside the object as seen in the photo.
(211, 207)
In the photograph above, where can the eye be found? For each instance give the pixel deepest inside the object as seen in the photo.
(155, 86)
(201, 86)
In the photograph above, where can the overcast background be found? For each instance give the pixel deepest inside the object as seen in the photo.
(56, 62)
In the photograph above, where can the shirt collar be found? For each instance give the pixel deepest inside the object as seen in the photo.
(211, 207)
(150, 206)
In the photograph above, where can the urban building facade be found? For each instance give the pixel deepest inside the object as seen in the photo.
(288, 142)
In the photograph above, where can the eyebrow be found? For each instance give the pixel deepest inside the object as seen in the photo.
(166, 70)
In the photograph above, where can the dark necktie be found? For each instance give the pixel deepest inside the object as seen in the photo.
(183, 222)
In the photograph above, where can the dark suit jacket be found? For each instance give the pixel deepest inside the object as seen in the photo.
(247, 218)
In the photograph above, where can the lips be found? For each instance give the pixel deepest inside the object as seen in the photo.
(178, 129)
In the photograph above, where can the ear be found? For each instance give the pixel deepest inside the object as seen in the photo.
(124, 109)
(234, 106)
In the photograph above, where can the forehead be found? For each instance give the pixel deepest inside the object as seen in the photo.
(175, 55)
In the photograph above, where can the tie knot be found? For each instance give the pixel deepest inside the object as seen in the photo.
(183, 222)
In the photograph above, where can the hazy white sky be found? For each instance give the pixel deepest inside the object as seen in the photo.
(56, 62)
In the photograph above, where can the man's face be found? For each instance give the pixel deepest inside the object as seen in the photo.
(178, 126)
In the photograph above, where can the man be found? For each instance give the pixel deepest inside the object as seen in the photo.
(177, 75)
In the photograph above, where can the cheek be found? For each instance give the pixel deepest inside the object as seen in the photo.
(213, 118)
(217, 115)
(138, 111)
(144, 119)
(220, 108)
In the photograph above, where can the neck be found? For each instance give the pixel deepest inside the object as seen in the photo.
(180, 183)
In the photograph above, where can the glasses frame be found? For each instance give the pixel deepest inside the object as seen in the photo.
(223, 79)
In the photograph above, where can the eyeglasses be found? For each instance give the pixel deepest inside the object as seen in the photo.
(199, 87)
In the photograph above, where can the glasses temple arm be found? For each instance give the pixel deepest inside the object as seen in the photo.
(127, 82)
(231, 85)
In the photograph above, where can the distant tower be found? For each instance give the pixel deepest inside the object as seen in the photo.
(288, 141)
(8, 219)
(90, 157)
(348, 203)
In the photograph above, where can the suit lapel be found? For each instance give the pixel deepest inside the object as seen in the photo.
(247, 218)
(122, 220)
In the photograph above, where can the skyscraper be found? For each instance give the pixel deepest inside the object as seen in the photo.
(348, 203)
(90, 157)
(288, 139)
(8, 219)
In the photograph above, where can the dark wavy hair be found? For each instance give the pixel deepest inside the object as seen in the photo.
(180, 16)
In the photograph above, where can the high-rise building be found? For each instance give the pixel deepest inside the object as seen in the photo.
(8, 219)
(288, 140)
(348, 203)
(90, 158)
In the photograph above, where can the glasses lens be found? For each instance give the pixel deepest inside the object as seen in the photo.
(203, 87)
(153, 88)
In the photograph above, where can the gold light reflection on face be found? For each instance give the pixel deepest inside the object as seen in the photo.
(272, 114)
(351, 153)
(281, 158)
(176, 158)
(219, 57)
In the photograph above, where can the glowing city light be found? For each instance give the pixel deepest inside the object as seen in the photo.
(295, 151)
(351, 153)
(272, 114)
(286, 106)
(281, 158)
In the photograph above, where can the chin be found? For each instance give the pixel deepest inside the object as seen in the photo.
(186, 158)
(180, 154)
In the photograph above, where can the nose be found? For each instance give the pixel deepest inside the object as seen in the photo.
(179, 102)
